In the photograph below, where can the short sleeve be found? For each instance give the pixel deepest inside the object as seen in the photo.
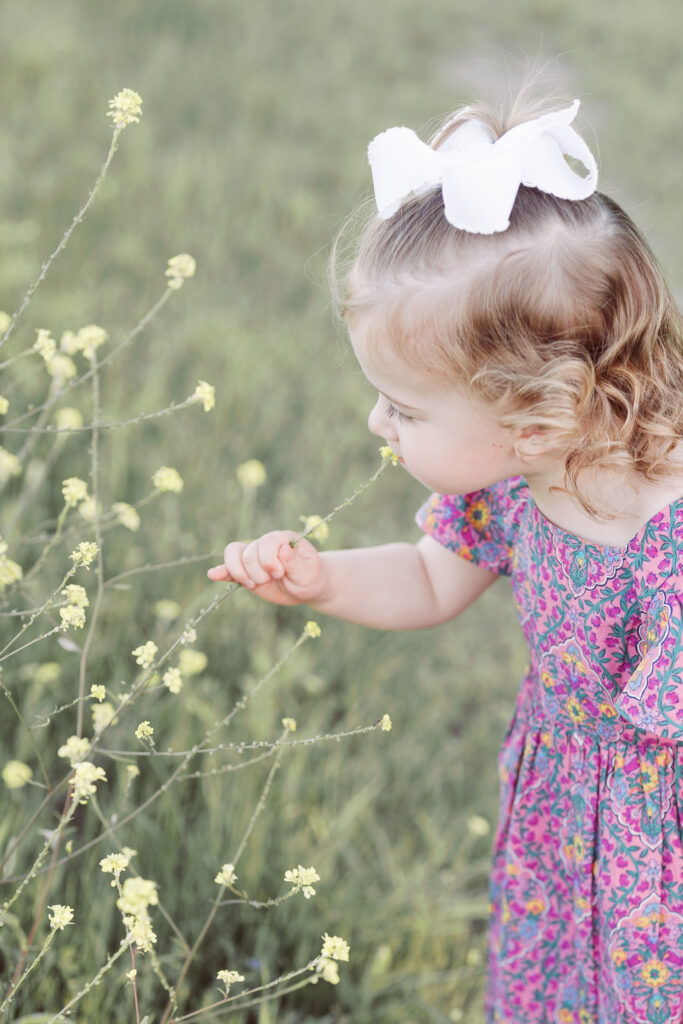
(652, 699)
(478, 526)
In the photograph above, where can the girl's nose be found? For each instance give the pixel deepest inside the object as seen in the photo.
(380, 424)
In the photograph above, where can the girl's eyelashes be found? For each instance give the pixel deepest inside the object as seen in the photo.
(392, 412)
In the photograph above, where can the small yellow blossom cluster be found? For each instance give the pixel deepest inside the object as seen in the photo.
(74, 612)
(5, 321)
(229, 978)
(102, 715)
(385, 723)
(10, 571)
(226, 875)
(137, 895)
(9, 465)
(173, 680)
(98, 692)
(145, 732)
(144, 654)
(289, 724)
(74, 490)
(167, 609)
(167, 479)
(389, 454)
(251, 474)
(179, 269)
(189, 635)
(86, 774)
(206, 394)
(327, 969)
(312, 629)
(319, 530)
(4, 405)
(126, 515)
(68, 418)
(334, 948)
(16, 774)
(302, 880)
(125, 108)
(75, 749)
(87, 340)
(478, 826)
(114, 864)
(57, 364)
(191, 662)
(60, 916)
(85, 554)
(90, 510)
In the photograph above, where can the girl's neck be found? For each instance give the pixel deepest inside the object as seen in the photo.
(632, 501)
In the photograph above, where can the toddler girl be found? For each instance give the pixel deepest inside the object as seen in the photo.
(528, 360)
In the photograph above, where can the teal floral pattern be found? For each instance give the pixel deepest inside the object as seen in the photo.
(586, 885)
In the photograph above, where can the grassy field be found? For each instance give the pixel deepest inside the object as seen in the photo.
(250, 155)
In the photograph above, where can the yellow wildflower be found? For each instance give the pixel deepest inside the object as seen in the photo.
(167, 610)
(16, 774)
(4, 405)
(168, 479)
(189, 635)
(385, 723)
(125, 108)
(328, 970)
(74, 749)
(229, 978)
(145, 732)
(126, 515)
(70, 343)
(10, 571)
(98, 692)
(90, 510)
(191, 662)
(85, 554)
(137, 895)
(74, 490)
(251, 474)
(9, 465)
(45, 345)
(72, 617)
(312, 629)
(302, 879)
(478, 826)
(389, 454)
(114, 864)
(76, 594)
(226, 875)
(102, 715)
(179, 269)
(173, 680)
(206, 394)
(68, 418)
(61, 368)
(90, 338)
(5, 321)
(86, 774)
(335, 947)
(319, 530)
(289, 723)
(145, 653)
(60, 916)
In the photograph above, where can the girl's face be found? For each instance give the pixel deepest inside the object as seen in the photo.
(441, 437)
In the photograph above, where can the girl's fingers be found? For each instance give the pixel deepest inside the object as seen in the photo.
(269, 547)
(218, 572)
(234, 565)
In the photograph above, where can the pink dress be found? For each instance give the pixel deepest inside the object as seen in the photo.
(586, 919)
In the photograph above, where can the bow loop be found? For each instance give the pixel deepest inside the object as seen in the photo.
(479, 175)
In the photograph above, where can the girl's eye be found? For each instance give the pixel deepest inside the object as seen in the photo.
(393, 412)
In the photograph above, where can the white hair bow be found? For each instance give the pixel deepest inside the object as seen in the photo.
(479, 174)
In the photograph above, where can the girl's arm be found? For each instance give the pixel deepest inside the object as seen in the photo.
(395, 586)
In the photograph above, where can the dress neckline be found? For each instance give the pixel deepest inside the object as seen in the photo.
(668, 510)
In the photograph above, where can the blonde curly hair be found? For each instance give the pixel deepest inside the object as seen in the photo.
(562, 325)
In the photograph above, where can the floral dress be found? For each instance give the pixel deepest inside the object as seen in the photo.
(586, 888)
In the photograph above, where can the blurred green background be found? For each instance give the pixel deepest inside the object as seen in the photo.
(250, 155)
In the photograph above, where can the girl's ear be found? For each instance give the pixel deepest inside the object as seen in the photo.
(531, 444)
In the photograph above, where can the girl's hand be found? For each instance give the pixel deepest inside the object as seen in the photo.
(273, 569)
